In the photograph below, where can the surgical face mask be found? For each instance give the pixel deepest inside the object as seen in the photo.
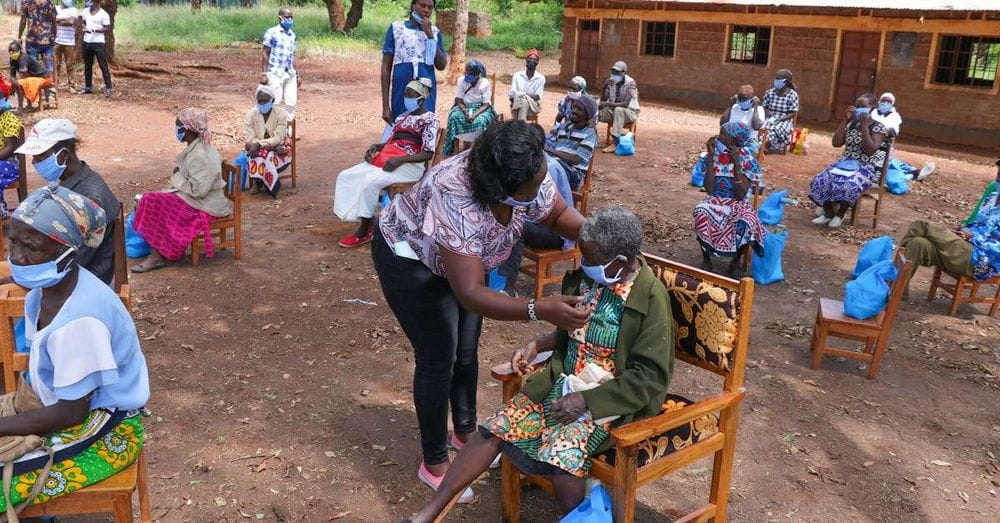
(50, 168)
(67, 3)
(181, 132)
(598, 272)
(858, 111)
(411, 104)
(885, 107)
(573, 95)
(745, 104)
(471, 79)
(517, 203)
(720, 147)
(265, 108)
(286, 23)
(39, 276)
(617, 77)
(779, 83)
(15, 55)
(416, 17)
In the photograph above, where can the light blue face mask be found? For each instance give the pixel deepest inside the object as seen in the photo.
(779, 83)
(598, 272)
(181, 132)
(720, 147)
(266, 107)
(67, 3)
(745, 104)
(287, 23)
(885, 107)
(416, 17)
(411, 104)
(858, 111)
(516, 203)
(50, 169)
(39, 276)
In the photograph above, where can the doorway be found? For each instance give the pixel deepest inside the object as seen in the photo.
(859, 54)
(588, 50)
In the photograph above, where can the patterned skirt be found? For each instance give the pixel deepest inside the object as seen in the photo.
(779, 134)
(723, 225)
(458, 124)
(528, 427)
(169, 224)
(100, 447)
(831, 187)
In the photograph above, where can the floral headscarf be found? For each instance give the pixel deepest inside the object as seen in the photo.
(739, 131)
(196, 121)
(64, 216)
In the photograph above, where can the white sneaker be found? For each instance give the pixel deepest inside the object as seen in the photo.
(835, 222)
(821, 220)
(926, 171)
(819, 211)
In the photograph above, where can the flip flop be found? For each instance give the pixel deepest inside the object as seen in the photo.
(140, 268)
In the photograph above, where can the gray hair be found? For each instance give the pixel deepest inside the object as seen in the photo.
(617, 231)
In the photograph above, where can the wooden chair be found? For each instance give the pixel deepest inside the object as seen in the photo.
(685, 431)
(964, 290)
(291, 172)
(874, 332)
(631, 127)
(542, 261)
(399, 188)
(22, 179)
(876, 192)
(762, 140)
(113, 495)
(121, 281)
(220, 226)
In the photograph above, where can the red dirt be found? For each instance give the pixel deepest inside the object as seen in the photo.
(274, 398)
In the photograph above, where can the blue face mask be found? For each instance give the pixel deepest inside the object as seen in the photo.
(265, 108)
(50, 168)
(745, 104)
(5, 105)
(67, 3)
(181, 131)
(779, 83)
(411, 104)
(884, 107)
(41, 275)
(286, 23)
(471, 79)
(720, 147)
(598, 272)
(416, 18)
(858, 111)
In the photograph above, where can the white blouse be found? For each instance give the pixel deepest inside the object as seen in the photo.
(480, 93)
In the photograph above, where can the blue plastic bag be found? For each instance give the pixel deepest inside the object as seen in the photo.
(896, 180)
(766, 269)
(867, 295)
(698, 171)
(244, 165)
(626, 145)
(135, 244)
(772, 211)
(497, 281)
(595, 508)
(873, 251)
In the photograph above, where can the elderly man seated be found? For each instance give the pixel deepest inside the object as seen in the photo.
(613, 370)
(619, 102)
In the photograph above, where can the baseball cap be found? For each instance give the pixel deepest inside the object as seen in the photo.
(45, 134)
(620, 66)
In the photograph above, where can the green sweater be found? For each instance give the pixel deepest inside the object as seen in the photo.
(644, 355)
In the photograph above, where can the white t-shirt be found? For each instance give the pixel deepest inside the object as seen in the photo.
(520, 83)
(745, 117)
(66, 34)
(94, 22)
(477, 94)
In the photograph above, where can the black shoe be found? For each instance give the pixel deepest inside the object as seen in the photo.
(86, 90)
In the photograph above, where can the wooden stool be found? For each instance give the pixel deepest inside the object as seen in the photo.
(964, 290)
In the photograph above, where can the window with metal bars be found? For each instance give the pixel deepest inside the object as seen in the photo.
(659, 38)
(749, 44)
(967, 60)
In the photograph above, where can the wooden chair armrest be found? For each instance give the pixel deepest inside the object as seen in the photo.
(639, 431)
(504, 372)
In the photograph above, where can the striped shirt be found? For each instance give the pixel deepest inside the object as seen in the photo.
(581, 142)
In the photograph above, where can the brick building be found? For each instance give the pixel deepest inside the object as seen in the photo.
(939, 57)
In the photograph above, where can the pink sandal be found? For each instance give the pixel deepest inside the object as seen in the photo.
(434, 482)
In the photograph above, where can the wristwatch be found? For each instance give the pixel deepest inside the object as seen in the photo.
(531, 310)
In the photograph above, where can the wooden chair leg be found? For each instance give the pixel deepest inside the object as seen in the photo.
(935, 283)
(819, 345)
(195, 260)
(854, 212)
(142, 490)
(238, 240)
(510, 491)
(722, 464)
(623, 495)
(540, 279)
(883, 338)
(123, 509)
(996, 300)
(956, 299)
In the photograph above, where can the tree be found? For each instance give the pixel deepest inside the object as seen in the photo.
(354, 14)
(457, 61)
(111, 7)
(335, 10)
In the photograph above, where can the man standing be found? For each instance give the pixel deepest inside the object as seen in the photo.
(278, 62)
(526, 88)
(39, 16)
(65, 51)
(96, 22)
(619, 102)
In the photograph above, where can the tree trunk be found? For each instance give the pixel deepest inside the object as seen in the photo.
(354, 14)
(111, 7)
(457, 60)
(196, 6)
(335, 9)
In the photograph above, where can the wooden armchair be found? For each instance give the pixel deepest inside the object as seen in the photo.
(875, 193)
(113, 495)
(291, 172)
(221, 226)
(685, 431)
(541, 261)
(874, 332)
(964, 290)
(121, 282)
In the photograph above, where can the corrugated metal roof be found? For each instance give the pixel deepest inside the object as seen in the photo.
(909, 5)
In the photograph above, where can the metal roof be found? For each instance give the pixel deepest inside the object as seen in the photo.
(909, 5)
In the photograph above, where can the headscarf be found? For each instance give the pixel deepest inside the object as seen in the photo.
(588, 105)
(478, 67)
(266, 89)
(739, 131)
(64, 216)
(534, 54)
(580, 81)
(420, 85)
(890, 96)
(196, 121)
(787, 75)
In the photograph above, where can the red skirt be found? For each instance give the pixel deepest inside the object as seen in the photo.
(169, 224)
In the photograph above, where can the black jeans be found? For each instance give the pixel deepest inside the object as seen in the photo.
(91, 50)
(534, 236)
(445, 339)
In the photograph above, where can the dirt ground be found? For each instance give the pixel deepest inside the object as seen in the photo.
(278, 396)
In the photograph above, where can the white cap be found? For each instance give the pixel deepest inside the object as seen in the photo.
(45, 134)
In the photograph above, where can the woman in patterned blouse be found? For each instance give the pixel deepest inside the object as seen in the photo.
(838, 187)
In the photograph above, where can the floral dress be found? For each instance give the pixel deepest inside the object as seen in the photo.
(529, 428)
(853, 173)
(985, 242)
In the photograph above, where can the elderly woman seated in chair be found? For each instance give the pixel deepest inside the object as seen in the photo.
(613, 370)
(400, 158)
(88, 377)
(169, 220)
(267, 151)
(473, 111)
(725, 222)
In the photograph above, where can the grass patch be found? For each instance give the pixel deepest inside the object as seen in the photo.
(169, 28)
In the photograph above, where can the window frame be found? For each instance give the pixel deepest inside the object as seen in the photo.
(672, 45)
(930, 69)
(954, 69)
(732, 30)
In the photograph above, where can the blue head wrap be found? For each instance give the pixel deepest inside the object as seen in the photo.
(478, 67)
(739, 131)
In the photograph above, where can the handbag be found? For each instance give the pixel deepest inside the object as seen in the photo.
(20, 401)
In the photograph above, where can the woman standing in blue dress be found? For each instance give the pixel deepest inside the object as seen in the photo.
(413, 48)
